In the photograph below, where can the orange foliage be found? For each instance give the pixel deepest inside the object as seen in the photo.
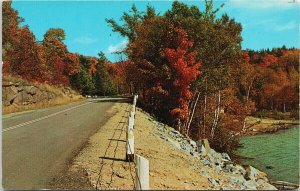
(186, 71)
(268, 60)
(93, 67)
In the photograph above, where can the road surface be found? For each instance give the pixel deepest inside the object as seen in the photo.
(38, 145)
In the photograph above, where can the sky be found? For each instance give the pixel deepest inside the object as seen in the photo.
(266, 23)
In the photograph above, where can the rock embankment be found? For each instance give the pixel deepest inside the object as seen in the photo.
(235, 176)
(16, 95)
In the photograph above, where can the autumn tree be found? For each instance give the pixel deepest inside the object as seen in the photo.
(216, 42)
(119, 72)
(28, 59)
(10, 34)
(83, 80)
(185, 70)
(276, 72)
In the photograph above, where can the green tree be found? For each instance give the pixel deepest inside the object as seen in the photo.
(103, 83)
(82, 82)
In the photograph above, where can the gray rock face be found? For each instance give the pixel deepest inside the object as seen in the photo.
(18, 94)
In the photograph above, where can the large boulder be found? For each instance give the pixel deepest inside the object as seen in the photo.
(9, 94)
(203, 144)
(254, 174)
(32, 90)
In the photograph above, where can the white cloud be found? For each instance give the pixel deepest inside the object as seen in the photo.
(262, 4)
(117, 47)
(287, 26)
(85, 40)
(273, 24)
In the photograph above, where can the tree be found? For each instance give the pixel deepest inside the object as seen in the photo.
(59, 62)
(186, 71)
(128, 29)
(28, 59)
(10, 34)
(82, 82)
(119, 73)
(57, 33)
(103, 83)
(268, 60)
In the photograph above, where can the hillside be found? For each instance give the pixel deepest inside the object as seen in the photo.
(174, 161)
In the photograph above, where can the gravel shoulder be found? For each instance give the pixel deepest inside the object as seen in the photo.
(117, 173)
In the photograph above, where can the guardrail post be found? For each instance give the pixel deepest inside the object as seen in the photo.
(130, 140)
(142, 173)
(132, 112)
(135, 99)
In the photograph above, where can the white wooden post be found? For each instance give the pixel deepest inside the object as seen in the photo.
(134, 100)
(132, 112)
(130, 140)
(142, 173)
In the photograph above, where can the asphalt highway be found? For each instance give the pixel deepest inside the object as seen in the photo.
(37, 145)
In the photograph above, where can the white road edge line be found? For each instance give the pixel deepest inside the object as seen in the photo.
(41, 118)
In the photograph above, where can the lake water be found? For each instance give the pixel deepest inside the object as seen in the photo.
(279, 150)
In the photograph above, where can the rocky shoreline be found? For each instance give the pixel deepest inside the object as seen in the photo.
(236, 176)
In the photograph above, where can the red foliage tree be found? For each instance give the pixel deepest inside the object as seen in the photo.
(268, 60)
(185, 70)
(120, 72)
(27, 61)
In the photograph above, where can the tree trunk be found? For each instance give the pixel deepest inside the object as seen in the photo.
(204, 111)
(272, 108)
(179, 128)
(190, 105)
(217, 113)
(247, 99)
(193, 111)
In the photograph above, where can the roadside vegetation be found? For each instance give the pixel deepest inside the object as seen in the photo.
(49, 61)
(186, 65)
(190, 71)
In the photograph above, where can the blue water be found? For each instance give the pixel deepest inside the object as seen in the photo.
(279, 150)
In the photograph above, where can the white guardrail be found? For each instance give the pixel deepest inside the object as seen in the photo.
(141, 163)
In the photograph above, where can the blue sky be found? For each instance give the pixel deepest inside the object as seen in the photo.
(266, 23)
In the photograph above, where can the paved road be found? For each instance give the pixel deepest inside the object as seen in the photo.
(37, 145)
